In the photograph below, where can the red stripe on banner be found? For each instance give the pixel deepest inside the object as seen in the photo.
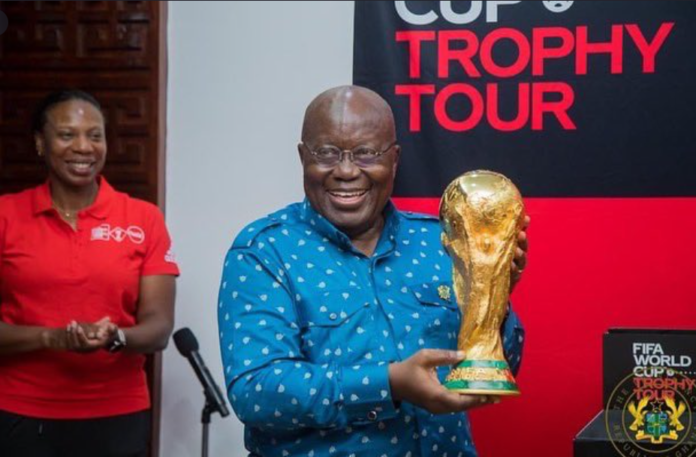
(593, 264)
(419, 205)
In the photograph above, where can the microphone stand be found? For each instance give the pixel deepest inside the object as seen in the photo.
(208, 410)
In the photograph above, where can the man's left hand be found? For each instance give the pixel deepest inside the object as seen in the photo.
(519, 263)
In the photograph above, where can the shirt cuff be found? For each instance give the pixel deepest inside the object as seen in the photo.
(513, 341)
(511, 322)
(366, 393)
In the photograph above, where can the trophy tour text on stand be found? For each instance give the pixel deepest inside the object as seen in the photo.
(655, 373)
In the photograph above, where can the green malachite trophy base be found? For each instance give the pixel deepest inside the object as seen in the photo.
(482, 377)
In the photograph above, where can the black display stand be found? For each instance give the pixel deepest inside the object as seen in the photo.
(626, 353)
(593, 441)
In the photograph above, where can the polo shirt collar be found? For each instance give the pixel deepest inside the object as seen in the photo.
(325, 228)
(42, 199)
(98, 209)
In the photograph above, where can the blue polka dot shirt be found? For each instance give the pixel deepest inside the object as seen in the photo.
(308, 326)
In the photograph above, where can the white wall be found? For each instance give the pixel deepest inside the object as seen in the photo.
(240, 76)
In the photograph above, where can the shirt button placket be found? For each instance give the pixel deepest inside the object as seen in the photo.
(77, 246)
(73, 252)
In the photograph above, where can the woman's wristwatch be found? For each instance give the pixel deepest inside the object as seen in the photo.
(118, 343)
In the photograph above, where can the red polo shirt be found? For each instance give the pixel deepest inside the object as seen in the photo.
(51, 274)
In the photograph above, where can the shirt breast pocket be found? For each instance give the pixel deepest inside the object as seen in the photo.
(440, 314)
(337, 328)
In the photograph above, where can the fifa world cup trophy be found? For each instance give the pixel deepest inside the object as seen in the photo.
(482, 213)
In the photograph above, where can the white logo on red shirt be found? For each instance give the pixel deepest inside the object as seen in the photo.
(105, 233)
(170, 256)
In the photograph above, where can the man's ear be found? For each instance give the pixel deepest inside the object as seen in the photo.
(397, 156)
(299, 150)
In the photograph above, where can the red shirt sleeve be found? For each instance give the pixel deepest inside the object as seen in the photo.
(160, 258)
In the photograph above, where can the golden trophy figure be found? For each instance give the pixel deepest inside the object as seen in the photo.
(481, 212)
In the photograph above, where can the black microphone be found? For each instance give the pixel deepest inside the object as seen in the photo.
(187, 345)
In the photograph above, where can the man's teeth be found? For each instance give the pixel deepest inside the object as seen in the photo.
(348, 194)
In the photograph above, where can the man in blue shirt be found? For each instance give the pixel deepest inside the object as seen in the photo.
(334, 337)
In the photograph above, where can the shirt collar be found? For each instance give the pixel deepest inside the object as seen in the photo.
(98, 209)
(392, 222)
(325, 228)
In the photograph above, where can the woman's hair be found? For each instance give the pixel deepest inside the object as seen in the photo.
(55, 98)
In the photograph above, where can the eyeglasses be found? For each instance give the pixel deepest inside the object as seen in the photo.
(361, 156)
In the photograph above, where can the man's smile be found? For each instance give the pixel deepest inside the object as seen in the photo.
(347, 198)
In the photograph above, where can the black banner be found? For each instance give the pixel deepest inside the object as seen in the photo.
(568, 99)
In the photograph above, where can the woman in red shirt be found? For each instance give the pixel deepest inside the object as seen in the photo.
(87, 286)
